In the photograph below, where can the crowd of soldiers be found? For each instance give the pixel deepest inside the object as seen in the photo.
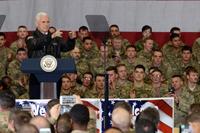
(139, 70)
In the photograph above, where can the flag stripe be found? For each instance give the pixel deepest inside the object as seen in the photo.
(164, 128)
(90, 105)
(163, 106)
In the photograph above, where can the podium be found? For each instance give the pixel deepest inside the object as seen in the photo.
(48, 79)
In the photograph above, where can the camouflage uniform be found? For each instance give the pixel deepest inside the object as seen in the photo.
(14, 69)
(171, 55)
(140, 45)
(4, 115)
(165, 68)
(125, 42)
(65, 54)
(196, 49)
(144, 91)
(94, 93)
(2, 70)
(97, 65)
(129, 65)
(188, 97)
(146, 55)
(123, 88)
(181, 66)
(112, 52)
(18, 90)
(79, 44)
(82, 66)
(89, 55)
(14, 46)
(162, 91)
(4, 52)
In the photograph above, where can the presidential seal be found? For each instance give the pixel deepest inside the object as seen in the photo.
(48, 63)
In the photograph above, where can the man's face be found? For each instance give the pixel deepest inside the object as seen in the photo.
(111, 76)
(83, 33)
(122, 73)
(156, 77)
(176, 42)
(186, 55)
(66, 84)
(87, 45)
(2, 41)
(157, 58)
(138, 74)
(22, 33)
(193, 77)
(148, 45)
(117, 43)
(131, 52)
(99, 82)
(21, 55)
(177, 83)
(87, 80)
(43, 24)
(114, 32)
(75, 53)
(146, 33)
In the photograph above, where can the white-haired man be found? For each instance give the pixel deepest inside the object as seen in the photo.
(42, 42)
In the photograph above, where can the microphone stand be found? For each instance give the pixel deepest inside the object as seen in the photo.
(106, 92)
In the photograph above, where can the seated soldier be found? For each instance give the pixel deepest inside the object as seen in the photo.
(22, 33)
(146, 33)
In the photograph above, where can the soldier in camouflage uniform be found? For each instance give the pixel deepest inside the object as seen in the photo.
(14, 67)
(112, 80)
(115, 33)
(191, 91)
(66, 87)
(146, 33)
(159, 89)
(122, 82)
(175, 90)
(140, 88)
(130, 59)
(22, 33)
(82, 33)
(117, 49)
(147, 51)
(20, 87)
(6, 54)
(74, 78)
(82, 65)
(98, 64)
(173, 52)
(158, 62)
(187, 60)
(87, 52)
(97, 90)
(173, 30)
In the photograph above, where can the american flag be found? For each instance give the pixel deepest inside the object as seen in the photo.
(164, 106)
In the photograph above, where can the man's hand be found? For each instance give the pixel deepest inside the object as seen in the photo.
(58, 33)
(72, 34)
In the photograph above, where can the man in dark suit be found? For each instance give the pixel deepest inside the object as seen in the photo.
(42, 43)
